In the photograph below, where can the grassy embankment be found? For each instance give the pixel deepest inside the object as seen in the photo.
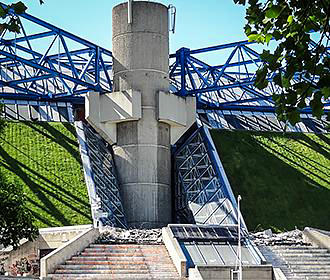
(43, 159)
(284, 179)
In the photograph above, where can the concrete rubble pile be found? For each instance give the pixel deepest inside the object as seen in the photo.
(111, 235)
(268, 238)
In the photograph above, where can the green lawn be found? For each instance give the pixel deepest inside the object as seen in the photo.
(284, 179)
(43, 158)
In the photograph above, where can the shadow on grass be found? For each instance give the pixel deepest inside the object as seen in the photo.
(275, 194)
(51, 184)
(41, 192)
(57, 137)
(15, 167)
(52, 199)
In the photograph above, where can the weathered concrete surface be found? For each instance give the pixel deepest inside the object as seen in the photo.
(66, 251)
(140, 117)
(317, 237)
(175, 252)
(258, 272)
(49, 238)
(142, 153)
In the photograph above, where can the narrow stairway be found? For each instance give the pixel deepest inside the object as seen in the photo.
(128, 261)
(299, 262)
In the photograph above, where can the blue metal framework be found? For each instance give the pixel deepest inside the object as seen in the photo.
(105, 178)
(202, 191)
(50, 64)
(54, 65)
(228, 85)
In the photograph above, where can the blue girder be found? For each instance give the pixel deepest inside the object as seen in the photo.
(52, 64)
(68, 66)
(226, 86)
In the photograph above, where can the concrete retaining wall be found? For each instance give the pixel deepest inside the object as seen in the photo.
(49, 263)
(175, 252)
(259, 272)
(317, 237)
(49, 238)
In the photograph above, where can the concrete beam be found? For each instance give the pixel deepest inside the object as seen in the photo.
(178, 112)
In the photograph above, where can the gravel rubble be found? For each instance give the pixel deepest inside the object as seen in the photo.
(268, 238)
(111, 235)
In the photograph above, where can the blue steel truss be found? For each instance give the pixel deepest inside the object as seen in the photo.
(202, 191)
(51, 63)
(105, 178)
(228, 85)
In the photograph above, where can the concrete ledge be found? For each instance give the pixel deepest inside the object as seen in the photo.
(173, 247)
(278, 274)
(319, 238)
(250, 272)
(49, 263)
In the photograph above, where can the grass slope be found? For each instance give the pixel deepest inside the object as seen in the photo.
(284, 179)
(43, 159)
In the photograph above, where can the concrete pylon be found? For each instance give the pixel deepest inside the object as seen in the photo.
(140, 117)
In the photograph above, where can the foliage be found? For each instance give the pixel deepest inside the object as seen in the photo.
(16, 220)
(282, 178)
(43, 160)
(10, 22)
(291, 23)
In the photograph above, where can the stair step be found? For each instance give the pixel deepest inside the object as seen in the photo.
(122, 259)
(108, 276)
(119, 254)
(115, 272)
(119, 262)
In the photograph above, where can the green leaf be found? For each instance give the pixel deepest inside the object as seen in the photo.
(261, 82)
(290, 19)
(286, 82)
(294, 116)
(273, 11)
(326, 92)
(13, 26)
(277, 35)
(19, 7)
(317, 105)
(253, 37)
(3, 13)
(241, 2)
(268, 38)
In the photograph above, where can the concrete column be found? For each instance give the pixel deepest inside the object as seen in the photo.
(142, 150)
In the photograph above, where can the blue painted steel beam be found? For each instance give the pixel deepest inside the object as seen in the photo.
(26, 70)
(228, 85)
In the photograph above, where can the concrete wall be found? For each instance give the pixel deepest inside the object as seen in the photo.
(262, 272)
(173, 247)
(142, 153)
(49, 263)
(140, 117)
(49, 238)
(317, 237)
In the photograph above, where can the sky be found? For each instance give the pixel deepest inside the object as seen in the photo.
(199, 23)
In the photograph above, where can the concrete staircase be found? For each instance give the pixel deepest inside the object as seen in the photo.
(299, 262)
(129, 261)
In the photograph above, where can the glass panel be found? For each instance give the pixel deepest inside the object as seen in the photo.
(209, 254)
(193, 253)
(208, 232)
(247, 257)
(23, 112)
(226, 254)
(193, 232)
(179, 232)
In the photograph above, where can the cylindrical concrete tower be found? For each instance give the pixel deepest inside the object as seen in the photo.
(142, 151)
